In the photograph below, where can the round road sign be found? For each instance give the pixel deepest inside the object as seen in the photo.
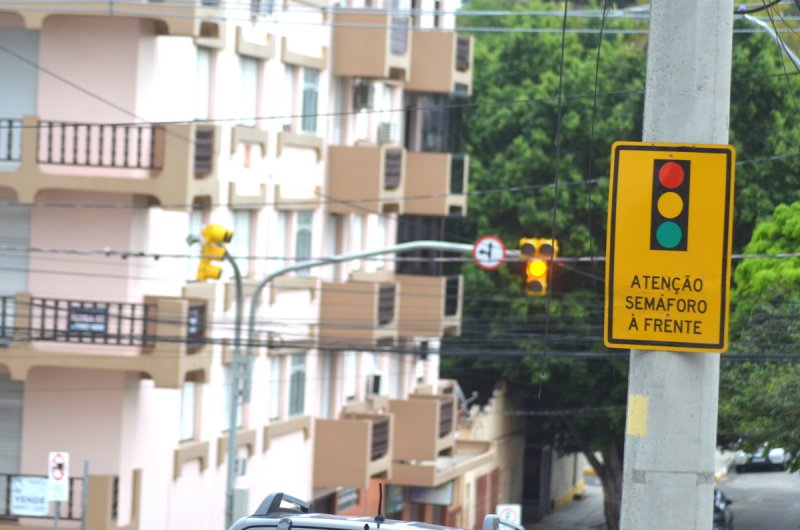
(489, 252)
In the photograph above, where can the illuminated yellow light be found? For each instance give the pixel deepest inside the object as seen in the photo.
(537, 267)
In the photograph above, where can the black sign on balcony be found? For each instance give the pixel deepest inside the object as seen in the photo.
(87, 319)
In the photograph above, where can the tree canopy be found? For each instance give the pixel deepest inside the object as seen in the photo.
(539, 137)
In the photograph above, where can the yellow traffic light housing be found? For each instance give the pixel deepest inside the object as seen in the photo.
(538, 253)
(213, 237)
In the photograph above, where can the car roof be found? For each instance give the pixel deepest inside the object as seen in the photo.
(272, 513)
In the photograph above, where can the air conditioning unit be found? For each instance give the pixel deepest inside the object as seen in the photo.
(387, 132)
(375, 384)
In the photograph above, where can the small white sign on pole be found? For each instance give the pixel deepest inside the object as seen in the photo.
(28, 496)
(511, 513)
(58, 476)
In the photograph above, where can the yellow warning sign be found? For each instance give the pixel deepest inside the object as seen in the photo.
(670, 216)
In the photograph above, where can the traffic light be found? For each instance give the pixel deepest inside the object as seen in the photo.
(537, 254)
(213, 237)
(669, 218)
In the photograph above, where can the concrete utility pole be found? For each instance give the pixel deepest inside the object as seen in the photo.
(670, 440)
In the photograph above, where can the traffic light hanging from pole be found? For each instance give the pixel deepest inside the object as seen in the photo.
(213, 238)
(537, 254)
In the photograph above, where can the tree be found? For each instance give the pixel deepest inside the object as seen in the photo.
(539, 167)
(758, 400)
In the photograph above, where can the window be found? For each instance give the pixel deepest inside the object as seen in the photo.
(279, 249)
(297, 385)
(274, 404)
(248, 100)
(350, 373)
(188, 422)
(239, 247)
(227, 401)
(202, 95)
(302, 237)
(310, 100)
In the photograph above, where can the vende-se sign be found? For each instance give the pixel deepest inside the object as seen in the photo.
(670, 217)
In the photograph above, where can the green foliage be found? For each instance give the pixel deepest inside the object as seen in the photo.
(758, 401)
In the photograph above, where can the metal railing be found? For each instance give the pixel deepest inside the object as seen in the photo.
(386, 296)
(100, 145)
(7, 318)
(380, 439)
(10, 140)
(33, 504)
(89, 322)
(392, 169)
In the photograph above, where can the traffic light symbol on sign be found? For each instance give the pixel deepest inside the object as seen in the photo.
(669, 217)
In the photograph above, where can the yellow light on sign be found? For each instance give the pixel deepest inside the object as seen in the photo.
(670, 215)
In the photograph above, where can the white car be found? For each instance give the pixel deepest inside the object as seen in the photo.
(763, 457)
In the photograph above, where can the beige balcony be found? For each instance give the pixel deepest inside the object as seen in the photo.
(432, 419)
(368, 43)
(186, 19)
(351, 450)
(441, 61)
(173, 164)
(429, 306)
(162, 338)
(466, 456)
(358, 314)
(366, 177)
(436, 183)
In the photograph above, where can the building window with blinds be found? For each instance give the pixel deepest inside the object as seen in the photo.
(310, 100)
(297, 385)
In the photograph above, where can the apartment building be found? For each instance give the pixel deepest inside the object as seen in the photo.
(310, 129)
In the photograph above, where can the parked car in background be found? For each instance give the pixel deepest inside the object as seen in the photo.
(723, 515)
(765, 457)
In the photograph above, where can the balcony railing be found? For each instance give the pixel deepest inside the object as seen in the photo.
(89, 322)
(386, 298)
(399, 35)
(10, 140)
(6, 318)
(393, 169)
(100, 145)
(462, 54)
(70, 510)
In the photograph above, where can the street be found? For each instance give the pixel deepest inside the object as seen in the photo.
(764, 499)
